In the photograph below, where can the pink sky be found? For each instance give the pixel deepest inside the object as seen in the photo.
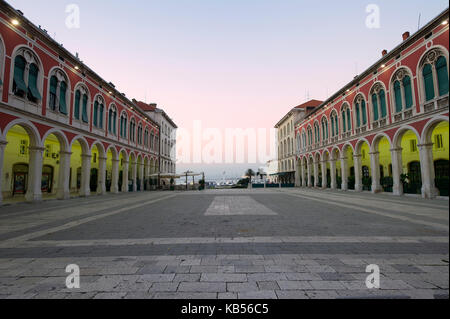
(234, 63)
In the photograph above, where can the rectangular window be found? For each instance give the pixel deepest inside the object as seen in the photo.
(413, 146)
(23, 150)
(438, 142)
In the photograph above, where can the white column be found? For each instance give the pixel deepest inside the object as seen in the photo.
(115, 176)
(344, 177)
(297, 174)
(2, 150)
(333, 174)
(133, 175)
(141, 176)
(429, 189)
(324, 174)
(101, 185)
(125, 176)
(397, 170)
(34, 192)
(375, 168)
(316, 173)
(303, 174)
(308, 169)
(85, 175)
(358, 172)
(63, 191)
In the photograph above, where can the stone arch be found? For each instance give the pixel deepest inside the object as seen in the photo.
(29, 127)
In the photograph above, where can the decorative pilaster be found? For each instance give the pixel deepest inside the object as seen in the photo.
(324, 175)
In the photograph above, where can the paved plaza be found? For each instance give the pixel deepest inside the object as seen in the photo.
(226, 244)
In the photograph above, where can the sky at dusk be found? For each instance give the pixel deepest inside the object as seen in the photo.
(229, 63)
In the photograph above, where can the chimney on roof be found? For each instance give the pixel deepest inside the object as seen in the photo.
(153, 105)
(405, 35)
(384, 52)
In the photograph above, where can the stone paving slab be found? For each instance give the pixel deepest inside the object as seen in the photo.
(114, 283)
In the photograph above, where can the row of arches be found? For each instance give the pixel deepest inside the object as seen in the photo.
(372, 111)
(32, 167)
(69, 103)
(407, 163)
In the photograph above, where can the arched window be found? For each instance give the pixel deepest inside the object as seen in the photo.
(112, 120)
(132, 131)
(80, 110)
(298, 141)
(378, 98)
(442, 75)
(123, 125)
(139, 134)
(360, 111)
(316, 133)
(58, 92)
(152, 146)
(304, 144)
(99, 112)
(324, 129)
(146, 138)
(26, 76)
(310, 136)
(403, 96)
(434, 68)
(428, 81)
(346, 119)
(334, 124)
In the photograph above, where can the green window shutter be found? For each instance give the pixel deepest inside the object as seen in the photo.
(114, 121)
(358, 112)
(77, 105)
(398, 96)
(53, 84)
(95, 120)
(102, 110)
(408, 92)
(375, 107)
(19, 71)
(336, 124)
(428, 82)
(62, 98)
(442, 75)
(349, 120)
(332, 127)
(84, 115)
(344, 127)
(364, 112)
(326, 129)
(32, 82)
(110, 120)
(383, 104)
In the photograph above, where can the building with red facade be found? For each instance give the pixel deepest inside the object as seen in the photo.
(63, 129)
(386, 130)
